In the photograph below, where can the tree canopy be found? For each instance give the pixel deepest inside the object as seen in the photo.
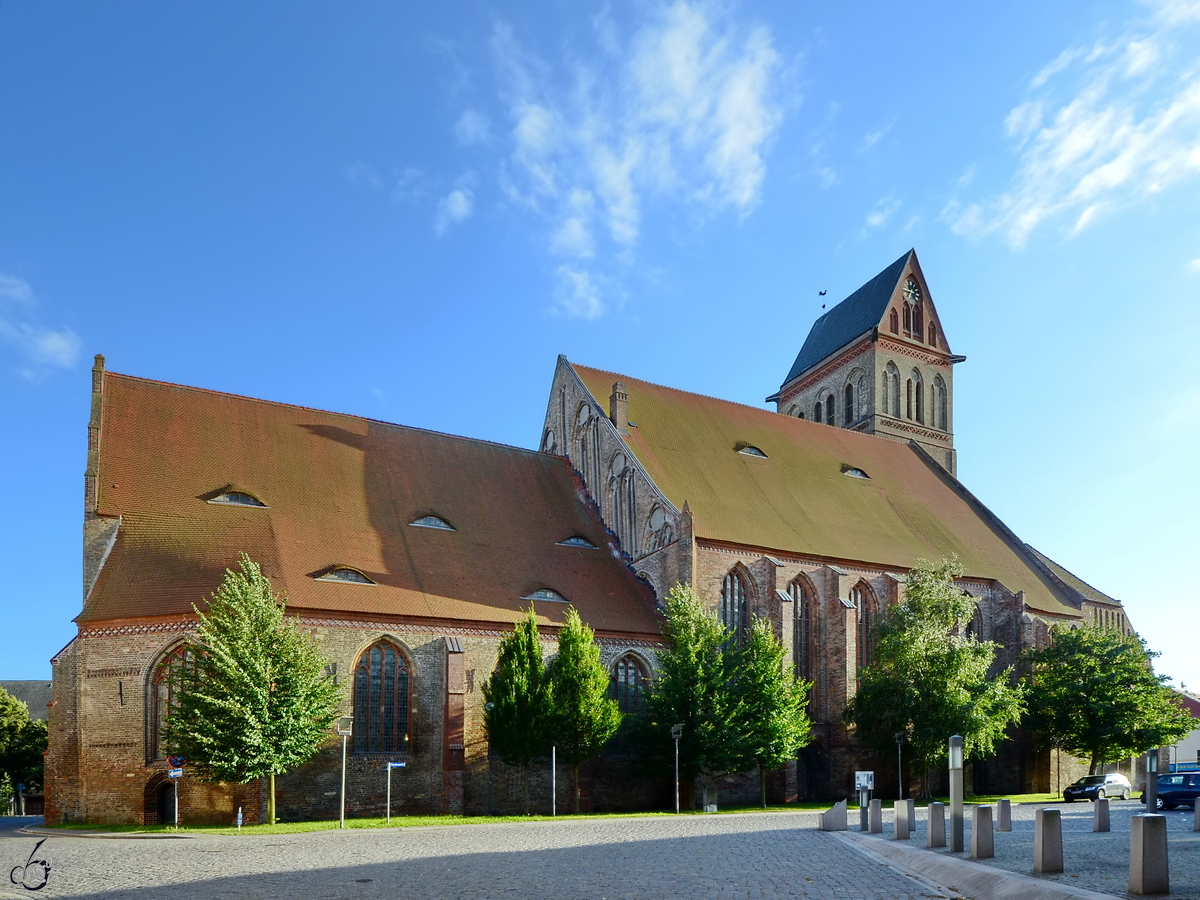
(257, 700)
(22, 743)
(583, 717)
(517, 701)
(928, 679)
(1093, 693)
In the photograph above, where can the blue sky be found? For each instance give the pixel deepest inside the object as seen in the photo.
(406, 213)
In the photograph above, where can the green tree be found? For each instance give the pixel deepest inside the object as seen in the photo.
(1093, 693)
(22, 743)
(927, 680)
(583, 717)
(257, 701)
(769, 717)
(517, 703)
(692, 690)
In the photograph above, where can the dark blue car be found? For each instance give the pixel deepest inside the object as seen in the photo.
(1178, 789)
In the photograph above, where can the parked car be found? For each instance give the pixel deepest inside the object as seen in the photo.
(1093, 787)
(1178, 789)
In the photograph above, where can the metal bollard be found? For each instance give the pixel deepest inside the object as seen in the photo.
(875, 817)
(900, 823)
(937, 825)
(1148, 873)
(1196, 818)
(1003, 815)
(983, 842)
(1100, 815)
(911, 813)
(1047, 841)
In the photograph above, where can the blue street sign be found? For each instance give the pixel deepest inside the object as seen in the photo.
(175, 773)
(397, 765)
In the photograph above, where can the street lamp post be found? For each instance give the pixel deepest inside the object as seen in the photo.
(956, 794)
(345, 727)
(677, 733)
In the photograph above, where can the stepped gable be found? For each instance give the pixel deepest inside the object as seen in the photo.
(799, 498)
(341, 490)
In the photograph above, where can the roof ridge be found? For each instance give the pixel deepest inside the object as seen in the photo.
(325, 412)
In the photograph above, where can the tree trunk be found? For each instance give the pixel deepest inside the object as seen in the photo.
(575, 768)
(271, 799)
(1092, 765)
(762, 785)
(687, 791)
(525, 787)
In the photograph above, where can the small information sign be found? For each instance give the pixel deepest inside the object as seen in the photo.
(864, 781)
(397, 765)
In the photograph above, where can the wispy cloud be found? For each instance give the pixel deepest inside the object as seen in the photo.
(456, 207)
(683, 109)
(40, 348)
(472, 127)
(1193, 266)
(1102, 127)
(872, 138)
(882, 211)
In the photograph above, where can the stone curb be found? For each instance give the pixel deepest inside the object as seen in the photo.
(135, 835)
(971, 879)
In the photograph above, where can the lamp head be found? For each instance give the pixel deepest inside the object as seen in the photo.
(956, 751)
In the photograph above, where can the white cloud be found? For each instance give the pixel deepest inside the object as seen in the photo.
(472, 127)
(874, 137)
(1193, 266)
(878, 217)
(457, 206)
(683, 110)
(1106, 127)
(42, 348)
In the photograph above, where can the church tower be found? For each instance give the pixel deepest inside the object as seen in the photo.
(879, 362)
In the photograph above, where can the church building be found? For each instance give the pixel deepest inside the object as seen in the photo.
(410, 554)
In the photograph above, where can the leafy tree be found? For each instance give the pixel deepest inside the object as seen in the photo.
(22, 743)
(583, 717)
(769, 718)
(257, 701)
(1093, 693)
(928, 681)
(692, 689)
(517, 707)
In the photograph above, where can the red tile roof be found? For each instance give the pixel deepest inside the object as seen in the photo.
(341, 490)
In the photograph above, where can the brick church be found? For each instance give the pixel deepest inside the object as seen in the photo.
(409, 554)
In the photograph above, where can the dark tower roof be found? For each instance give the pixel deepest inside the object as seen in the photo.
(856, 315)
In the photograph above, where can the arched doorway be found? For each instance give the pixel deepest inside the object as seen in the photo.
(159, 802)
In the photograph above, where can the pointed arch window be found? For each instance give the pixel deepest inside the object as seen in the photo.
(804, 632)
(830, 406)
(849, 404)
(628, 685)
(734, 605)
(894, 322)
(940, 404)
(817, 412)
(932, 335)
(918, 326)
(907, 319)
(867, 617)
(173, 667)
(382, 699)
(891, 390)
(623, 502)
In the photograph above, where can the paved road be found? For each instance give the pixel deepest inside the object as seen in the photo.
(756, 857)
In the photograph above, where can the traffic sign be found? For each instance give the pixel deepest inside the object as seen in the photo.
(175, 773)
(397, 765)
(176, 761)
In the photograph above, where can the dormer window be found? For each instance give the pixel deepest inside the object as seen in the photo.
(578, 541)
(854, 472)
(433, 522)
(545, 594)
(344, 574)
(749, 450)
(237, 498)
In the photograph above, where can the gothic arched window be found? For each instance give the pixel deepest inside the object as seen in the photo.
(932, 335)
(940, 406)
(628, 685)
(167, 674)
(918, 321)
(620, 481)
(894, 322)
(907, 319)
(803, 634)
(891, 390)
(918, 397)
(849, 404)
(382, 695)
(830, 406)
(863, 599)
(733, 605)
(817, 412)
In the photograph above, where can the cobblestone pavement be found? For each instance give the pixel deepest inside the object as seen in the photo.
(757, 857)
(1092, 861)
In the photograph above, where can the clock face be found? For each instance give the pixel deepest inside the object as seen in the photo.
(912, 292)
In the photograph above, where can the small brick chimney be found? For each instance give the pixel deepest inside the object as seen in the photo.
(618, 408)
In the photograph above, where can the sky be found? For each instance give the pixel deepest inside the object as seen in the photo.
(407, 211)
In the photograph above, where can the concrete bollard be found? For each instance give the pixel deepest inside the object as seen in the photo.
(875, 817)
(1148, 872)
(1100, 815)
(1003, 815)
(937, 825)
(983, 842)
(1047, 841)
(834, 818)
(900, 823)
(911, 813)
